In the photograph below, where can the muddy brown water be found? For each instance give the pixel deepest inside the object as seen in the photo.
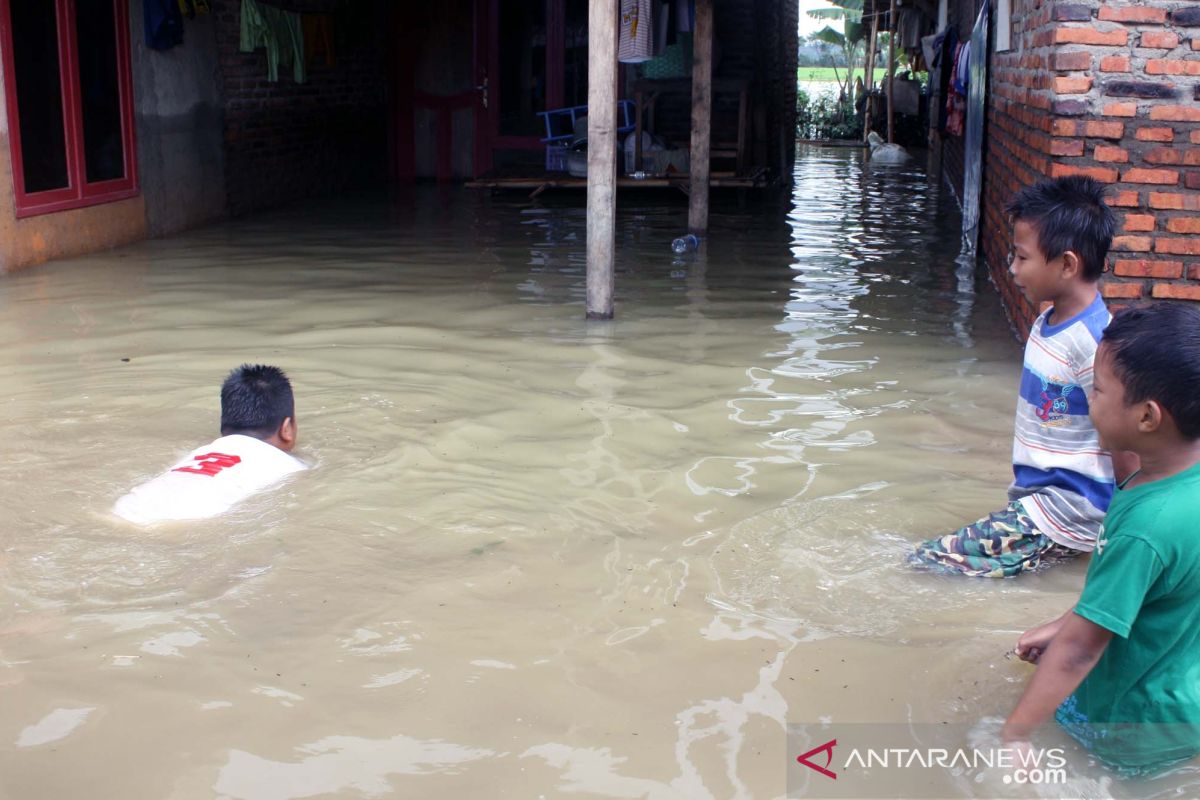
(536, 557)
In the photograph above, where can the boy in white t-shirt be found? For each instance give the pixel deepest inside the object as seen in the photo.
(258, 431)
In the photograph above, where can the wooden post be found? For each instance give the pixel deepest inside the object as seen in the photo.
(701, 117)
(869, 78)
(891, 73)
(602, 157)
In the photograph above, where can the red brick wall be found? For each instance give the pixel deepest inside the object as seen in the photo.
(285, 141)
(1021, 138)
(1108, 90)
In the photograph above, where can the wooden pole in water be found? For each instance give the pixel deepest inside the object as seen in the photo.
(869, 78)
(891, 73)
(602, 157)
(701, 117)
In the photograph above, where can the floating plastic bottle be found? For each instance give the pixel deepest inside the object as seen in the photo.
(685, 244)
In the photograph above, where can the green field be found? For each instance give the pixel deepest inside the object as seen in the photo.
(826, 74)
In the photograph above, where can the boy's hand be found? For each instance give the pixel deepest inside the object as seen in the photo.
(1034, 641)
(1078, 645)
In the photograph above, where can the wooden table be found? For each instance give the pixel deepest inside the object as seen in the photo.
(647, 91)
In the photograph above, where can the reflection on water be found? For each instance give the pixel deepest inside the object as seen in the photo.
(536, 556)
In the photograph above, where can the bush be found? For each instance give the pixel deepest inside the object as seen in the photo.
(826, 117)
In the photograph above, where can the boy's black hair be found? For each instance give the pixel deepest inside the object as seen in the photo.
(1068, 214)
(255, 400)
(1155, 351)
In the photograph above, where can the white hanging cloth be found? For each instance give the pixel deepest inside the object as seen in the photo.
(635, 43)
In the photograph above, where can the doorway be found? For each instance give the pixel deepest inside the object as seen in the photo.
(530, 56)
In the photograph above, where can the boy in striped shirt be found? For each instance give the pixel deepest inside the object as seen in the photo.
(1062, 476)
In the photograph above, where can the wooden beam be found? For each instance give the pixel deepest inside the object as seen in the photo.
(701, 117)
(602, 157)
(869, 77)
(891, 115)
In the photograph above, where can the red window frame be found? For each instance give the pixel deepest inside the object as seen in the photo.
(78, 192)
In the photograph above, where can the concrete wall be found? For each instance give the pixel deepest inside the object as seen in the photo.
(177, 110)
(33, 240)
(179, 117)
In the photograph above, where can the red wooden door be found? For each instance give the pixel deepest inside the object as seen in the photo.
(530, 56)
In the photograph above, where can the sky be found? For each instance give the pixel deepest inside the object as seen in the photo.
(808, 24)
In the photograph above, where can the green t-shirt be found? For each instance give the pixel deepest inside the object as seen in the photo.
(1139, 707)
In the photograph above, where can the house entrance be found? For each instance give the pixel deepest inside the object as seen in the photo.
(531, 56)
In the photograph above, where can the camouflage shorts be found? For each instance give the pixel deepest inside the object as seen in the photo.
(1001, 545)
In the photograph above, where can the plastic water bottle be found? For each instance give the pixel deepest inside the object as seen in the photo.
(685, 244)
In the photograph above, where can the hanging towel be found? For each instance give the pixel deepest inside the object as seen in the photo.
(280, 32)
(164, 24)
(636, 41)
(929, 49)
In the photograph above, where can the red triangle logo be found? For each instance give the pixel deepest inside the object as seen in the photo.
(827, 749)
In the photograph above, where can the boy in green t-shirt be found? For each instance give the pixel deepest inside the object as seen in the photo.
(1121, 670)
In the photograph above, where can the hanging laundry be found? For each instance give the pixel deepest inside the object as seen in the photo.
(962, 68)
(279, 32)
(956, 101)
(675, 62)
(636, 41)
(910, 26)
(947, 48)
(929, 50)
(318, 39)
(956, 114)
(164, 24)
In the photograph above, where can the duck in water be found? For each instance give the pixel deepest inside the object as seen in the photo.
(884, 153)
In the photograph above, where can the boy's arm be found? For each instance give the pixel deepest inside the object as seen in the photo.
(1034, 641)
(1070, 657)
(1125, 463)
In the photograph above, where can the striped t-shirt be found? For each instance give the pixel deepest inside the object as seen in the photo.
(1061, 475)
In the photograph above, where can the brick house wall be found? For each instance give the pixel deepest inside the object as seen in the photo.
(1108, 90)
(285, 141)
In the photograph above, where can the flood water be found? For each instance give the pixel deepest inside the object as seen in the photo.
(536, 557)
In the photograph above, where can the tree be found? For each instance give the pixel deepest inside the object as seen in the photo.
(849, 40)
